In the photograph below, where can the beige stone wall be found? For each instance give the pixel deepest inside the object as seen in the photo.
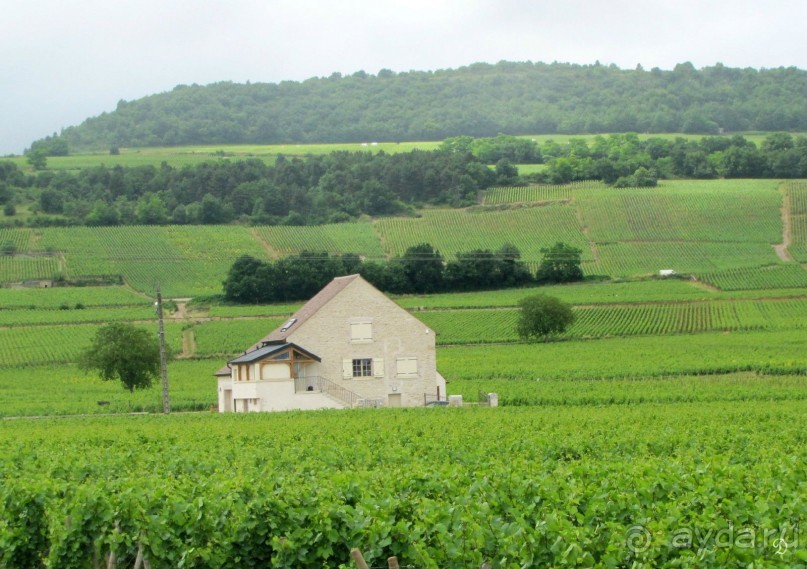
(395, 333)
(225, 387)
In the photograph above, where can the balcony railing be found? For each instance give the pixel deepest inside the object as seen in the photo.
(319, 384)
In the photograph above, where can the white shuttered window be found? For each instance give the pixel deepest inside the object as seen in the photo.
(361, 332)
(406, 367)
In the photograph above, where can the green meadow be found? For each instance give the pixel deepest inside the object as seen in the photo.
(191, 155)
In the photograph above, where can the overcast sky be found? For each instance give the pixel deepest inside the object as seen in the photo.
(62, 61)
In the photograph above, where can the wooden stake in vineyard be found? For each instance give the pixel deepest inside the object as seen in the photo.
(163, 357)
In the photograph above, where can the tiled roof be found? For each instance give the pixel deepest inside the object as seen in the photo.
(310, 308)
(267, 351)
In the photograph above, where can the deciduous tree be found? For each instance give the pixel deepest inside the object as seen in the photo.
(561, 264)
(541, 316)
(120, 351)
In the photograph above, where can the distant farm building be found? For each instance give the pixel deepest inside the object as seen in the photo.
(349, 346)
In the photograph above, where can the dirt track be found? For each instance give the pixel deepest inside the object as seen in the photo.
(781, 249)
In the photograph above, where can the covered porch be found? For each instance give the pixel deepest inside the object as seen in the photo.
(274, 377)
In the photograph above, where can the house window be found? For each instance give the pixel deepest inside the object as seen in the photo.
(406, 367)
(361, 332)
(363, 367)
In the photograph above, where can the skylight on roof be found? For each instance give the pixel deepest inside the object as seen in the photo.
(288, 324)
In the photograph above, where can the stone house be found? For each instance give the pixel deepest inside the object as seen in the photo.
(349, 346)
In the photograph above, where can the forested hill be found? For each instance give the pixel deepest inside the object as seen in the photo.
(478, 100)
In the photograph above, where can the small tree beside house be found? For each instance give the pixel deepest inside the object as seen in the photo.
(123, 352)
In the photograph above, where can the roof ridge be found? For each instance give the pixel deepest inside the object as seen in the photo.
(306, 311)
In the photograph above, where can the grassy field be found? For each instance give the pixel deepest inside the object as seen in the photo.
(191, 155)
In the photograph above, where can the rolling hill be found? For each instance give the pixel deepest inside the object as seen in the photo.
(477, 100)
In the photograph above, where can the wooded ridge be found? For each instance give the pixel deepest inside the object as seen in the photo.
(478, 100)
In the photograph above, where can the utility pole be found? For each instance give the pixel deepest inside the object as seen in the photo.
(163, 358)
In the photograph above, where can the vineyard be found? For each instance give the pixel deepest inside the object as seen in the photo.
(757, 278)
(670, 403)
(20, 238)
(186, 260)
(736, 211)
(797, 192)
(630, 292)
(744, 386)
(542, 193)
(237, 311)
(648, 258)
(227, 338)
(518, 487)
(65, 390)
(22, 317)
(452, 231)
(35, 298)
(692, 227)
(52, 344)
(765, 351)
(499, 325)
(356, 238)
(24, 267)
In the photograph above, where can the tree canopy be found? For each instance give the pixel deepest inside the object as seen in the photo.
(125, 353)
(561, 264)
(421, 269)
(479, 100)
(541, 316)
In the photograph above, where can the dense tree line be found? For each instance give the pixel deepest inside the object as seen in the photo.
(346, 185)
(316, 189)
(479, 100)
(627, 160)
(420, 270)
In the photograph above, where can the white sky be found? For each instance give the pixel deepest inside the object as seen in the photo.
(62, 61)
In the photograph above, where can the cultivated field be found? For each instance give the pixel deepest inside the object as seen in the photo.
(670, 404)
(722, 232)
(614, 485)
